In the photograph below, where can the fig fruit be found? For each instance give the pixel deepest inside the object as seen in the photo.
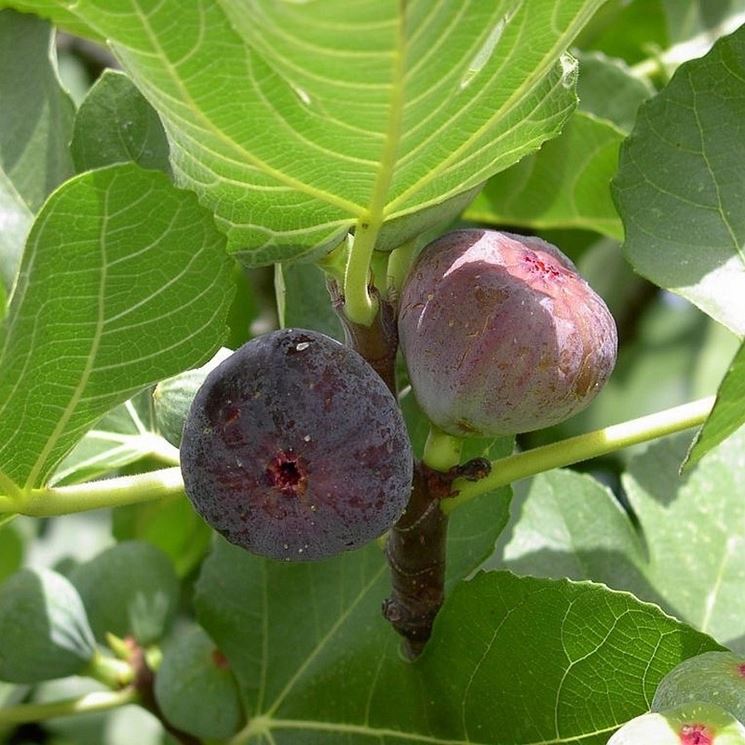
(44, 630)
(501, 335)
(691, 724)
(295, 449)
(714, 677)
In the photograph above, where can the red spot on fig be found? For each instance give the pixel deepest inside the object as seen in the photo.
(695, 734)
(741, 669)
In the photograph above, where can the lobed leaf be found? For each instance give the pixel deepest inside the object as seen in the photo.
(122, 283)
(317, 663)
(297, 121)
(688, 555)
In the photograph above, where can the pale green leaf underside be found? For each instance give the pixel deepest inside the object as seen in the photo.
(728, 413)
(681, 184)
(565, 185)
(589, 659)
(690, 555)
(122, 283)
(294, 121)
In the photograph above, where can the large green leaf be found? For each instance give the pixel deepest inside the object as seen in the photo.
(123, 282)
(297, 121)
(681, 184)
(565, 185)
(317, 663)
(689, 555)
(728, 413)
(36, 117)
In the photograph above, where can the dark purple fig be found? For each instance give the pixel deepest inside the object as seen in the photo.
(295, 449)
(501, 335)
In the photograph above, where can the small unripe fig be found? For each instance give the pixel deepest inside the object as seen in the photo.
(295, 449)
(690, 724)
(501, 335)
(715, 677)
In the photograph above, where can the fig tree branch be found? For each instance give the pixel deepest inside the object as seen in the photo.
(96, 701)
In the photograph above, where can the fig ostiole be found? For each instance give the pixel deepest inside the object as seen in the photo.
(501, 335)
(295, 449)
(695, 723)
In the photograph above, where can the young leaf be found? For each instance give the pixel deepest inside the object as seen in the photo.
(317, 663)
(299, 120)
(122, 601)
(115, 124)
(680, 184)
(195, 687)
(728, 413)
(565, 185)
(81, 335)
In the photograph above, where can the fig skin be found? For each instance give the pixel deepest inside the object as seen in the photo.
(501, 335)
(695, 723)
(295, 449)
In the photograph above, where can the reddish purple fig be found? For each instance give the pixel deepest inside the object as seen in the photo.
(501, 335)
(295, 449)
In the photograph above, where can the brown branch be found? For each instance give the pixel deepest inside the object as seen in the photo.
(144, 684)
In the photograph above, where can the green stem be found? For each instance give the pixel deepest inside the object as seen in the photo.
(583, 447)
(399, 265)
(97, 701)
(62, 500)
(360, 306)
(441, 451)
(110, 671)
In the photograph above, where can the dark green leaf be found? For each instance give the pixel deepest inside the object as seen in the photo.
(607, 88)
(728, 414)
(129, 589)
(195, 688)
(81, 336)
(304, 301)
(681, 184)
(689, 555)
(565, 185)
(44, 632)
(317, 663)
(115, 124)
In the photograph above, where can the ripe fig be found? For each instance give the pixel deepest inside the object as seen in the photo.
(501, 335)
(715, 677)
(295, 449)
(691, 724)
